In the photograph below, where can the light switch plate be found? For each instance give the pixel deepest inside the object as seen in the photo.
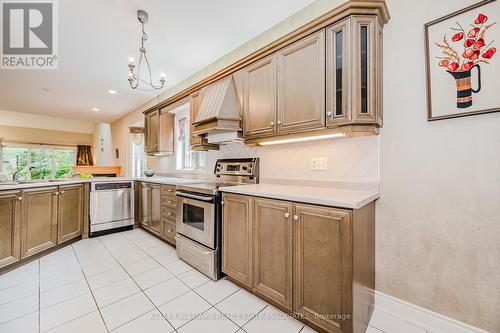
(320, 164)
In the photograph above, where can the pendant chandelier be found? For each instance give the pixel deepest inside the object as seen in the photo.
(134, 78)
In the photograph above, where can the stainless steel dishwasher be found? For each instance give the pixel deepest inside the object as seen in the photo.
(111, 207)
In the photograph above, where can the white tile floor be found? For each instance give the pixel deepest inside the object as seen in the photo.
(129, 282)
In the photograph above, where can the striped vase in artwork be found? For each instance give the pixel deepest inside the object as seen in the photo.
(464, 86)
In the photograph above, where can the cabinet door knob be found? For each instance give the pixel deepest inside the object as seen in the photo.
(62, 192)
(169, 230)
(329, 114)
(295, 217)
(222, 202)
(169, 213)
(279, 122)
(19, 198)
(272, 123)
(287, 215)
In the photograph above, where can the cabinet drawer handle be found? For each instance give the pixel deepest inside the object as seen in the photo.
(295, 217)
(287, 215)
(169, 230)
(329, 114)
(62, 192)
(169, 213)
(272, 123)
(279, 122)
(19, 198)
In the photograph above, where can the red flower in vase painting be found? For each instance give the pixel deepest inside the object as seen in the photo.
(476, 51)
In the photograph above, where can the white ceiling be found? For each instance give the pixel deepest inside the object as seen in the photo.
(96, 37)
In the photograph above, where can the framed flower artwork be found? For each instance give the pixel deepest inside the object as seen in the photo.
(463, 72)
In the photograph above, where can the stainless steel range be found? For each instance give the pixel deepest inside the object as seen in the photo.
(199, 214)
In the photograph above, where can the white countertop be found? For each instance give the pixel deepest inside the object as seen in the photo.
(169, 180)
(327, 196)
(67, 181)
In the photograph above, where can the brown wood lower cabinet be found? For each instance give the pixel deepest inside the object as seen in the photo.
(313, 261)
(39, 222)
(10, 227)
(70, 212)
(156, 209)
(156, 224)
(272, 251)
(322, 256)
(36, 219)
(237, 238)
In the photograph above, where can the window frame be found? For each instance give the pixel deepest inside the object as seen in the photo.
(183, 150)
(29, 147)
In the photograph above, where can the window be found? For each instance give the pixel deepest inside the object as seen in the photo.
(37, 162)
(186, 159)
(138, 154)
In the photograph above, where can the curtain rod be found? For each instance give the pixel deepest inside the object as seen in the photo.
(44, 144)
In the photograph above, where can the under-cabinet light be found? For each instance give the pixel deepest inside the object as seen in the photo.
(310, 138)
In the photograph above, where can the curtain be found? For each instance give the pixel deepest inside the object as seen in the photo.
(181, 125)
(84, 155)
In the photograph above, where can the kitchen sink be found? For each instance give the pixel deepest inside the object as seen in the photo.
(9, 183)
(32, 181)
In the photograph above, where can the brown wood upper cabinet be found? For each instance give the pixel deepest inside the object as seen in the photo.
(39, 221)
(159, 132)
(259, 98)
(285, 92)
(10, 227)
(354, 72)
(70, 212)
(301, 85)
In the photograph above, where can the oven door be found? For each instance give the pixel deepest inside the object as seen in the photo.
(196, 217)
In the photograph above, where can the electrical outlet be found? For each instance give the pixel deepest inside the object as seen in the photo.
(319, 164)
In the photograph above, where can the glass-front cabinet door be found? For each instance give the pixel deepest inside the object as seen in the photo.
(338, 73)
(366, 69)
(354, 71)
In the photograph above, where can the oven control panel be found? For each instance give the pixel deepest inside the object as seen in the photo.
(248, 167)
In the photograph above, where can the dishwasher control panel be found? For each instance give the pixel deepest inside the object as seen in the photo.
(112, 186)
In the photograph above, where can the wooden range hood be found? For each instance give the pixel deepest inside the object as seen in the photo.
(219, 109)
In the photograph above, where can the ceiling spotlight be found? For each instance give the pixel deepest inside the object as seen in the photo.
(112, 92)
(95, 109)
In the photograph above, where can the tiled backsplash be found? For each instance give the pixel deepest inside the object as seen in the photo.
(349, 160)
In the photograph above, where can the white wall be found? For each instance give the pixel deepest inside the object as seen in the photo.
(31, 120)
(438, 220)
(103, 145)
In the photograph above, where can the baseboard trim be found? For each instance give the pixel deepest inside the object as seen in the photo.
(421, 317)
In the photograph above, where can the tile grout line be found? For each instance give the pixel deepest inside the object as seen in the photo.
(190, 289)
(141, 290)
(91, 292)
(212, 306)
